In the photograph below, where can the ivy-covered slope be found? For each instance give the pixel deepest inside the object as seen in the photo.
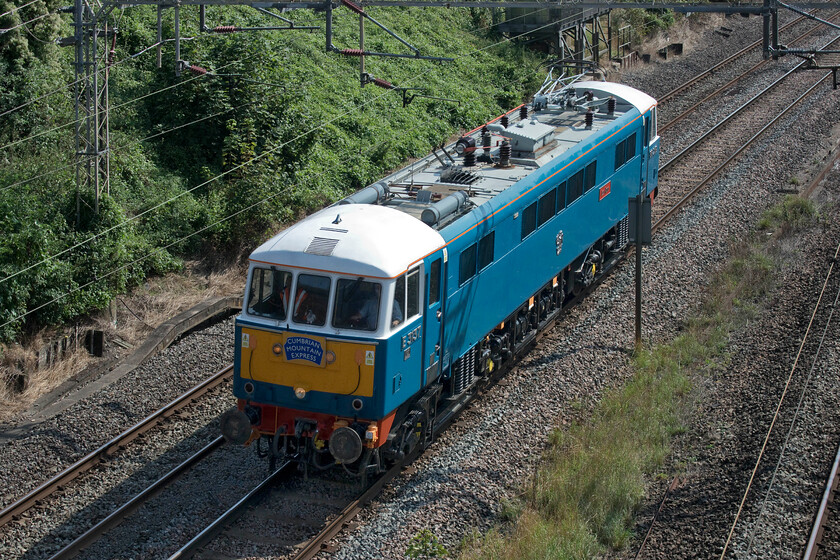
(216, 162)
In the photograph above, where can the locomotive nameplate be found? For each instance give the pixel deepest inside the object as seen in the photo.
(309, 350)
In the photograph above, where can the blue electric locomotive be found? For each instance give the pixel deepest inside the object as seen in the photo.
(366, 319)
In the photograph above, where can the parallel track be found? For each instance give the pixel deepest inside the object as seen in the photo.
(751, 47)
(720, 90)
(110, 448)
(683, 176)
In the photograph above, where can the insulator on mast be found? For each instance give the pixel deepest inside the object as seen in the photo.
(351, 52)
(195, 69)
(354, 7)
(382, 83)
(224, 29)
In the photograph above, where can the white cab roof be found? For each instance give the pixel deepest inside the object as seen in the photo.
(634, 97)
(354, 239)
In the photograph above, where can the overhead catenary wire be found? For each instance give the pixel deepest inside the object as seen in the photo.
(100, 71)
(121, 105)
(7, 29)
(120, 148)
(13, 10)
(353, 109)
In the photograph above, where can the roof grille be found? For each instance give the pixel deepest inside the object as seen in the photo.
(322, 246)
(337, 230)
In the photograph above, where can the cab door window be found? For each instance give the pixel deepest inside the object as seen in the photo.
(406, 302)
(399, 302)
(434, 282)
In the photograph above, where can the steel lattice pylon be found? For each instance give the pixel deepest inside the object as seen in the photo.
(91, 99)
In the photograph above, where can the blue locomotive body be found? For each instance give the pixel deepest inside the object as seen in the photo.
(398, 299)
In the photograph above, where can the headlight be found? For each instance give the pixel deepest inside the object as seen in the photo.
(300, 392)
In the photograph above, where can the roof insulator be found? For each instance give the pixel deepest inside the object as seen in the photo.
(383, 83)
(224, 29)
(354, 7)
(195, 69)
(351, 52)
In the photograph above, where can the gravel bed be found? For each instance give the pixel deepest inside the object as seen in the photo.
(60, 441)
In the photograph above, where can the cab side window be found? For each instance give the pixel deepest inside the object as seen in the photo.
(412, 304)
(406, 297)
(434, 282)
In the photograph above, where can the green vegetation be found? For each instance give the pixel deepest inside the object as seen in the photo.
(583, 498)
(286, 129)
(793, 213)
(425, 545)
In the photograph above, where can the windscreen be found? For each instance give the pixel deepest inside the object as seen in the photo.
(311, 298)
(357, 304)
(268, 293)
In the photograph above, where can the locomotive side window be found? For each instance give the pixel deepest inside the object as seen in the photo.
(589, 176)
(575, 186)
(625, 150)
(412, 305)
(529, 220)
(561, 196)
(466, 266)
(631, 147)
(547, 203)
(311, 298)
(485, 250)
(434, 282)
(399, 302)
(620, 154)
(357, 304)
(269, 293)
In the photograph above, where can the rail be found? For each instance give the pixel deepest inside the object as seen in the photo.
(108, 449)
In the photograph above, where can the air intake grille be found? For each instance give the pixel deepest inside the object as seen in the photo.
(322, 246)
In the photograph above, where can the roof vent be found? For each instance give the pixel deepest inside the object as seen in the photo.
(321, 246)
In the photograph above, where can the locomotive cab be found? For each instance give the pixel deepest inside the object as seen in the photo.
(327, 344)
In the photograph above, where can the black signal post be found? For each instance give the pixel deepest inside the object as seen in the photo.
(640, 234)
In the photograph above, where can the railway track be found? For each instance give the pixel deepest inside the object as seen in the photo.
(110, 448)
(824, 518)
(692, 168)
(741, 75)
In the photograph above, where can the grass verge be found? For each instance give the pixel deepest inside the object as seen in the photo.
(583, 498)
